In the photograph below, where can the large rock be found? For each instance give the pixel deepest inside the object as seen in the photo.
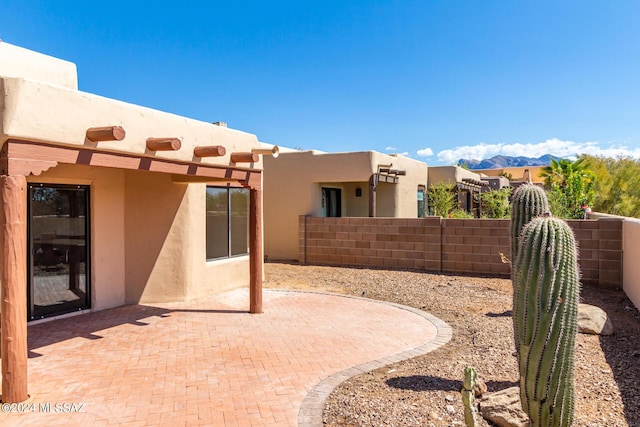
(593, 320)
(503, 408)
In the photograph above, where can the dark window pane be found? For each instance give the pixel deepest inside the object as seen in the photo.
(239, 221)
(217, 223)
(58, 231)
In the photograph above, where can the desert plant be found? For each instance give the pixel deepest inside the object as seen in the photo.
(495, 203)
(441, 199)
(529, 201)
(545, 312)
(460, 214)
(469, 398)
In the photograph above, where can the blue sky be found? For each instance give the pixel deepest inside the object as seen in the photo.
(434, 80)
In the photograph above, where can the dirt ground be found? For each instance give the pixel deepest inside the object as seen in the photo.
(424, 391)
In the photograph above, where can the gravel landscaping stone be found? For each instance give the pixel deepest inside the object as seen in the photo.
(425, 391)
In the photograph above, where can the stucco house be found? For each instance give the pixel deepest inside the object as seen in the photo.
(106, 203)
(351, 184)
(467, 185)
(517, 175)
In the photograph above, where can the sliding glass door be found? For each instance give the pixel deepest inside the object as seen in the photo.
(58, 249)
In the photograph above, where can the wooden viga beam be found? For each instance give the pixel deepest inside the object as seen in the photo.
(164, 144)
(244, 157)
(106, 133)
(209, 151)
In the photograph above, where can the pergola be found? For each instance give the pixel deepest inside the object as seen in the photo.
(20, 158)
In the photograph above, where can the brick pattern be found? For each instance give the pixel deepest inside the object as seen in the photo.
(461, 246)
(209, 362)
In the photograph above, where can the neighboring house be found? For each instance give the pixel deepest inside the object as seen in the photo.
(107, 203)
(467, 186)
(516, 175)
(494, 183)
(355, 184)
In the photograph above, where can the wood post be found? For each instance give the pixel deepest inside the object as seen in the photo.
(13, 288)
(164, 144)
(372, 195)
(209, 151)
(244, 157)
(106, 133)
(255, 251)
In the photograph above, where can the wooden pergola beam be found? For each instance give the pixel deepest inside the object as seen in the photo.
(164, 144)
(27, 157)
(209, 151)
(13, 288)
(244, 157)
(106, 133)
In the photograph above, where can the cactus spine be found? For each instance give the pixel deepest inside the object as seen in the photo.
(545, 312)
(529, 201)
(469, 397)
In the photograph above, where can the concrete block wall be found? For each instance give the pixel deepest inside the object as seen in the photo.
(462, 246)
(476, 246)
(371, 242)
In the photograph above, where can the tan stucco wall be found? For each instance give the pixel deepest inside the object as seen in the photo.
(450, 175)
(107, 212)
(630, 264)
(293, 186)
(40, 112)
(147, 238)
(19, 62)
(165, 229)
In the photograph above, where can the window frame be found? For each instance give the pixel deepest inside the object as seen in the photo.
(229, 224)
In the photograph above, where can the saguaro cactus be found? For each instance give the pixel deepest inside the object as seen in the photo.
(545, 312)
(529, 201)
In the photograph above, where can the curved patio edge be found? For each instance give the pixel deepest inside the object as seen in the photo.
(312, 407)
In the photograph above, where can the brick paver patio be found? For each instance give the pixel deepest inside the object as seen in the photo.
(209, 362)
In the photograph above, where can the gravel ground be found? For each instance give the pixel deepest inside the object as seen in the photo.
(424, 391)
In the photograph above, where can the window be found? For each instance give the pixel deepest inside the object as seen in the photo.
(227, 222)
(421, 206)
(331, 202)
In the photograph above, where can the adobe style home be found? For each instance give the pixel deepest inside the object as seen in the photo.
(352, 184)
(467, 185)
(105, 203)
(518, 174)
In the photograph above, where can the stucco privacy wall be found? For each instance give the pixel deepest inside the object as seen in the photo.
(631, 230)
(468, 246)
(19, 62)
(293, 186)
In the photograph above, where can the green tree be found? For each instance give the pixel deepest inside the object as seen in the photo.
(495, 203)
(570, 186)
(441, 199)
(617, 188)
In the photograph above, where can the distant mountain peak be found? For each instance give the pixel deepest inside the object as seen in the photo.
(497, 162)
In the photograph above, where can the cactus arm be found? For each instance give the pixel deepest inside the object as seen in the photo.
(468, 397)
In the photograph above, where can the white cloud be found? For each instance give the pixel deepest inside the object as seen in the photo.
(390, 148)
(425, 152)
(554, 146)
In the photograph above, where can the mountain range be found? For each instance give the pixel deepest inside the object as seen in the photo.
(497, 162)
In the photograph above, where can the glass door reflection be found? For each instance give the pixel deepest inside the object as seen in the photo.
(58, 249)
